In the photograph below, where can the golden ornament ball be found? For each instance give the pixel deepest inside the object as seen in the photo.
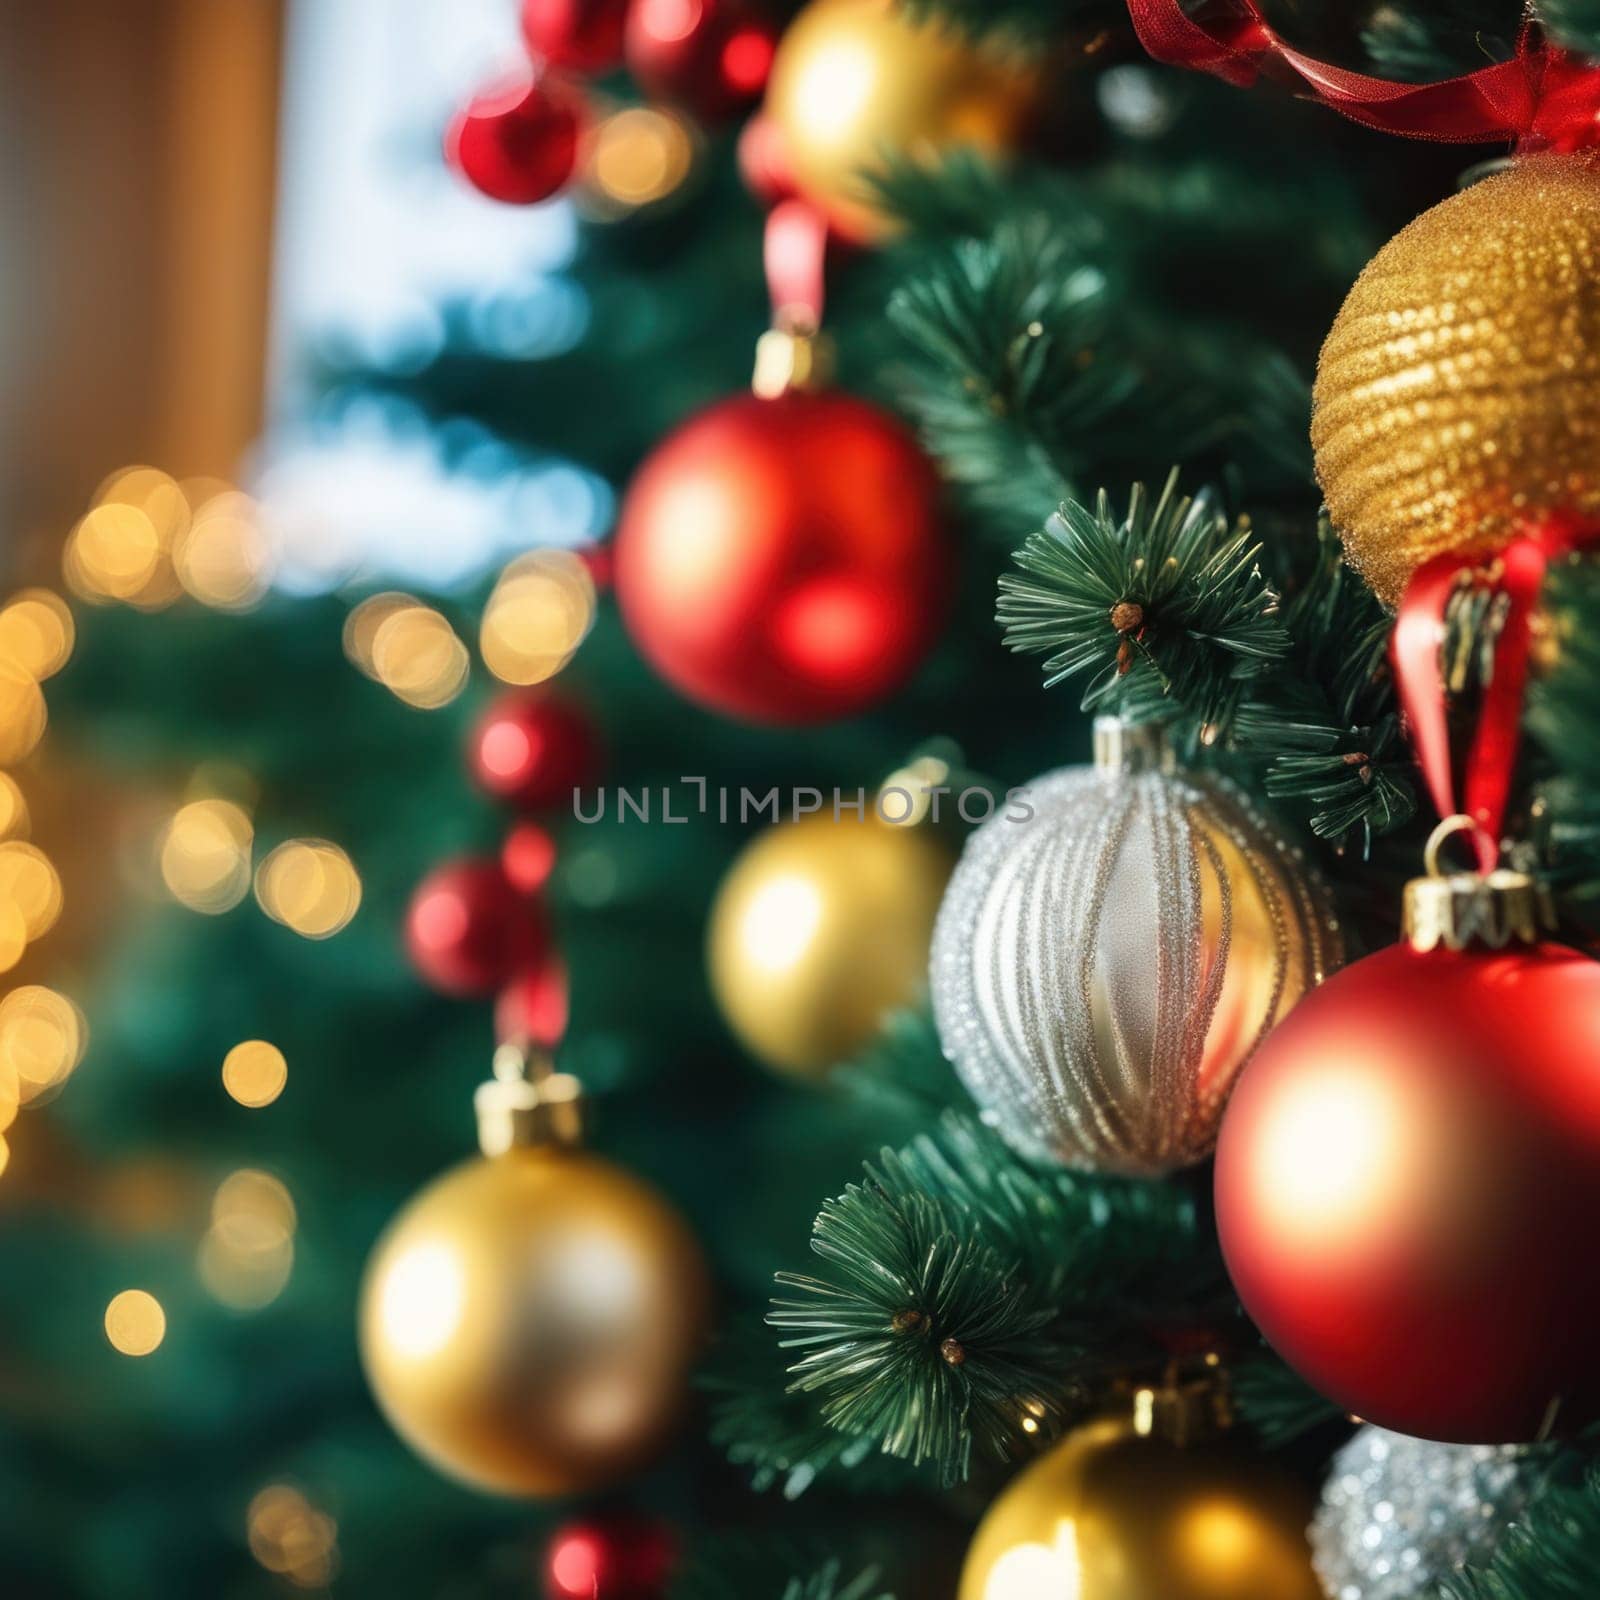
(529, 1320)
(1114, 1514)
(1458, 392)
(857, 82)
(820, 929)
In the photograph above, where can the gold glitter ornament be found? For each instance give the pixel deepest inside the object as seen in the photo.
(1458, 391)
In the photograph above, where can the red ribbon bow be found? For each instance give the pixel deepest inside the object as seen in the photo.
(1544, 98)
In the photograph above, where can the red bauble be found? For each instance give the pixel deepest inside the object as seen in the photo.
(533, 1006)
(468, 930)
(517, 141)
(782, 560)
(581, 35)
(711, 56)
(612, 1558)
(533, 748)
(1407, 1185)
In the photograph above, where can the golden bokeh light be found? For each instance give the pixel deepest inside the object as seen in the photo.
(640, 155)
(224, 558)
(22, 712)
(246, 1256)
(37, 632)
(254, 1073)
(30, 885)
(309, 885)
(5, 1155)
(205, 855)
(362, 624)
(43, 1037)
(541, 610)
(135, 1322)
(114, 553)
(290, 1537)
(417, 656)
(14, 820)
(149, 490)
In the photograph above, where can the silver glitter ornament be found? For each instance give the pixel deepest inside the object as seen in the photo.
(1400, 1515)
(1103, 969)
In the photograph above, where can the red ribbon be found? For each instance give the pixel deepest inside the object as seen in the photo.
(1543, 98)
(1518, 574)
(794, 250)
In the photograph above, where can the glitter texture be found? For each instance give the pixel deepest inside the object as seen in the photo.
(1400, 1515)
(1102, 971)
(1458, 392)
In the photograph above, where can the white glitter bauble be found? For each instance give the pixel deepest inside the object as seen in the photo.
(1401, 1515)
(1102, 970)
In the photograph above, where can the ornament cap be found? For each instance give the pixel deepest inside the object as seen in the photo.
(1185, 1406)
(792, 356)
(1124, 747)
(1458, 909)
(527, 1102)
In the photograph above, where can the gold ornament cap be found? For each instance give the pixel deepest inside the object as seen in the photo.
(1186, 1406)
(527, 1103)
(1458, 909)
(1128, 747)
(793, 355)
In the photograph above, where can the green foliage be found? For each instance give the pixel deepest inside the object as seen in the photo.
(1419, 43)
(1574, 23)
(747, 1573)
(1276, 1404)
(1552, 1554)
(1029, 22)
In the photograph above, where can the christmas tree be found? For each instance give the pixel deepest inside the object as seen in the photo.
(833, 1010)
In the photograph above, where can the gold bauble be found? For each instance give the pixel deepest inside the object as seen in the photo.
(1111, 1514)
(1458, 392)
(857, 81)
(819, 930)
(529, 1320)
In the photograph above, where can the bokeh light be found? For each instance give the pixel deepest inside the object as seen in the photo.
(30, 884)
(37, 632)
(114, 553)
(290, 1537)
(22, 712)
(135, 1322)
(43, 1037)
(224, 558)
(309, 885)
(540, 611)
(639, 155)
(362, 624)
(14, 820)
(248, 1252)
(205, 855)
(417, 656)
(254, 1073)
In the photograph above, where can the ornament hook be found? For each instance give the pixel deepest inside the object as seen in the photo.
(1457, 822)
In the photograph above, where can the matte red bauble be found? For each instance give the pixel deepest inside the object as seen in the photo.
(581, 35)
(516, 142)
(533, 748)
(781, 560)
(1407, 1185)
(468, 931)
(611, 1558)
(711, 56)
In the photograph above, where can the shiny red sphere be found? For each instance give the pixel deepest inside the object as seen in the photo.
(711, 56)
(610, 1558)
(1407, 1184)
(516, 141)
(581, 35)
(468, 931)
(534, 1005)
(782, 560)
(533, 747)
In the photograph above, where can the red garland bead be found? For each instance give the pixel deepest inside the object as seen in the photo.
(468, 931)
(612, 1558)
(580, 35)
(1407, 1183)
(534, 1005)
(528, 857)
(711, 56)
(516, 141)
(533, 748)
(782, 560)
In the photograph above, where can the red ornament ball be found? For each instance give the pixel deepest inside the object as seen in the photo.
(1407, 1184)
(468, 931)
(782, 560)
(534, 1005)
(614, 1558)
(712, 56)
(533, 748)
(581, 35)
(517, 141)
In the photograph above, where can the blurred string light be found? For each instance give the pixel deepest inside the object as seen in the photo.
(135, 1322)
(290, 1537)
(416, 655)
(43, 1036)
(309, 885)
(637, 157)
(247, 1253)
(22, 712)
(224, 558)
(205, 855)
(540, 611)
(37, 632)
(254, 1073)
(14, 820)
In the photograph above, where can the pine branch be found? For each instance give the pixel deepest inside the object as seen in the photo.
(1442, 39)
(971, 1300)
(1276, 1402)
(1574, 23)
(1552, 1554)
(1165, 596)
(903, 1074)
(750, 1576)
